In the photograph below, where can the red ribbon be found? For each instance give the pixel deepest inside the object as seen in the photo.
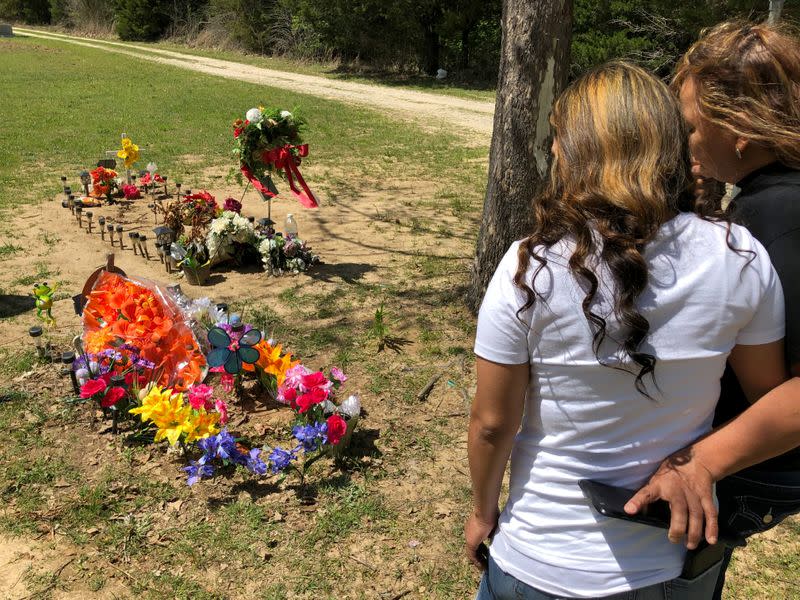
(283, 158)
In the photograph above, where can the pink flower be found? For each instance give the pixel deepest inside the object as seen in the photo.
(200, 396)
(227, 382)
(315, 380)
(287, 395)
(130, 191)
(92, 387)
(337, 427)
(311, 398)
(222, 409)
(338, 375)
(113, 395)
(294, 376)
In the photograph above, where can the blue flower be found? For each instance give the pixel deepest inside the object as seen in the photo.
(311, 436)
(281, 458)
(254, 464)
(197, 470)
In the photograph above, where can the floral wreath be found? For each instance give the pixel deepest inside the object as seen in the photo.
(269, 141)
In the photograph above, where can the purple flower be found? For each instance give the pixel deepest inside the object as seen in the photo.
(198, 469)
(280, 458)
(338, 375)
(311, 436)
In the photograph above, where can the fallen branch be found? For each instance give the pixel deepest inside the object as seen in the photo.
(426, 391)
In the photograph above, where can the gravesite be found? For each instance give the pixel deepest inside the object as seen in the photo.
(419, 299)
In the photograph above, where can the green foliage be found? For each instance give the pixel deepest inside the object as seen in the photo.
(654, 33)
(33, 12)
(247, 22)
(59, 11)
(141, 20)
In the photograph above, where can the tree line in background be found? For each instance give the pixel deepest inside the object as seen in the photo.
(405, 36)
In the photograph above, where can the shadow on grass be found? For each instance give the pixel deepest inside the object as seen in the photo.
(12, 305)
(400, 79)
(348, 272)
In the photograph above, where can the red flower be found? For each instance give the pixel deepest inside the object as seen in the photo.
(290, 396)
(310, 398)
(113, 395)
(92, 387)
(337, 427)
(237, 132)
(314, 380)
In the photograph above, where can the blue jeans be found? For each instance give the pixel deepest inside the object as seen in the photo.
(753, 501)
(498, 585)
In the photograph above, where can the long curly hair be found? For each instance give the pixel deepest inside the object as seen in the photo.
(748, 81)
(620, 170)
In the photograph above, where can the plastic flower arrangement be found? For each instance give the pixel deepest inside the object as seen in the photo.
(110, 376)
(269, 140)
(287, 254)
(130, 191)
(320, 429)
(177, 420)
(199, 208)
(122, 311)
(104, 183)
(146, 179)
(129, 152)
(230, 236)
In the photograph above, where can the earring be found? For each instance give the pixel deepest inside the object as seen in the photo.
(738, 154)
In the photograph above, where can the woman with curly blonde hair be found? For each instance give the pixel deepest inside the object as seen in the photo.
(601, 341)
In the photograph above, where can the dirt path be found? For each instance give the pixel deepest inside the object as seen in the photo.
(429, 109)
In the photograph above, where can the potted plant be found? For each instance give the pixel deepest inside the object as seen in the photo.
(192, 257)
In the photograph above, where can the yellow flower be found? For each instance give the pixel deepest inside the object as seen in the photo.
(129, 153)
(168, 413)
(152, 403)
(201, 424)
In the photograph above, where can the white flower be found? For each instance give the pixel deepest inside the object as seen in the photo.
(218, 226)
(351, 407)
(253, 115)
(285, 114)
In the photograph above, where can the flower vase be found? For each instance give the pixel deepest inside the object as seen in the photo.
(198, 276)
(340, 448)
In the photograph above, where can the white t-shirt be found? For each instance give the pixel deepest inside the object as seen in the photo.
(586, 421)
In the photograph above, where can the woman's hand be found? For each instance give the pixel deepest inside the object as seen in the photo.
(688, 486)
(476, 531)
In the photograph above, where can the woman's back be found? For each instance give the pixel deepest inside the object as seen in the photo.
(584, 420)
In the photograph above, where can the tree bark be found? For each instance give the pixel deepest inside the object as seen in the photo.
(775, 8)
(534, 65)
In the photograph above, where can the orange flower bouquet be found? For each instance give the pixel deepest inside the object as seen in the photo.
(120, 311)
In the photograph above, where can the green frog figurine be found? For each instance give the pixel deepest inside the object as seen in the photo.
(44, 302)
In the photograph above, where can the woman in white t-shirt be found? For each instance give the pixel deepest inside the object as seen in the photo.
(600, 345)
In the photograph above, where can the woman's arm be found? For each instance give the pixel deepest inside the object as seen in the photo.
(494, 421)
(770, 427)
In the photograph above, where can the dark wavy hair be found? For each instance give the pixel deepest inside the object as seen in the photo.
(620, 170)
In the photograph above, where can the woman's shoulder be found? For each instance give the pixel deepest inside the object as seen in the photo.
(719, 232)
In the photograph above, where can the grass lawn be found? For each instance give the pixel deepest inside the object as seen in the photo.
(332, 70)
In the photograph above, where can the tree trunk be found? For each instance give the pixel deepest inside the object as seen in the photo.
(775, 8)
(465, 49)
(534, 64)
(433, 47)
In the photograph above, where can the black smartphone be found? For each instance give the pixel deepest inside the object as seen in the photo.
(610, 500)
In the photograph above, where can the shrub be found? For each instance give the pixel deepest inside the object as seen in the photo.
(141, 20)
